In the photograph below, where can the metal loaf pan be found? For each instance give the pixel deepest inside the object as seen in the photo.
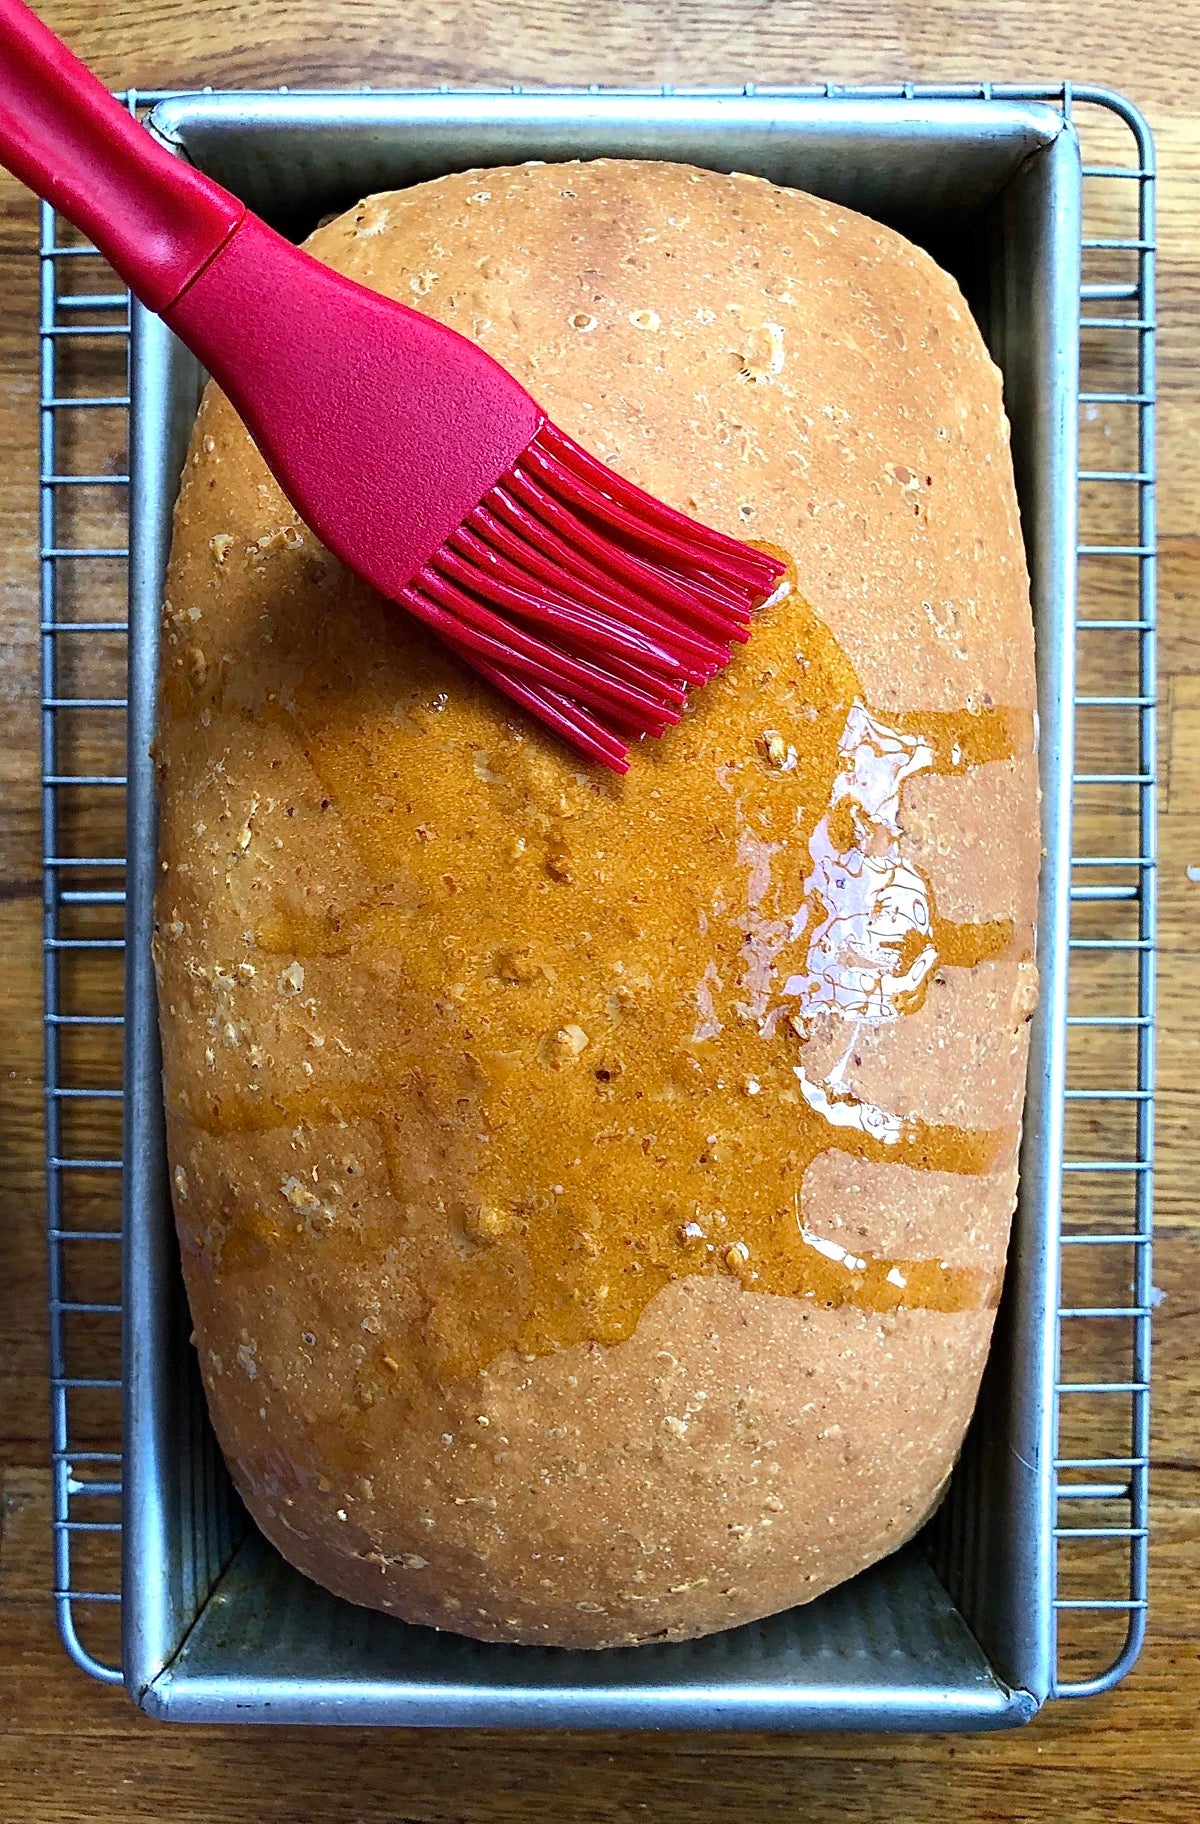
(956, 1631)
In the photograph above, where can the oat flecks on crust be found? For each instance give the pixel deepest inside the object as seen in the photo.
(494, 1105)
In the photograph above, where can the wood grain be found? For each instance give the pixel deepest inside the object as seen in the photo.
(74, 1751)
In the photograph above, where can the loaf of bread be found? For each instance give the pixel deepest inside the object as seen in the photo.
(594, 1193)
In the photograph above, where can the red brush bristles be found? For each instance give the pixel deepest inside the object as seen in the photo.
(588, 602)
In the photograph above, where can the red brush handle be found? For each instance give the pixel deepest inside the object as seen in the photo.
(153, 217)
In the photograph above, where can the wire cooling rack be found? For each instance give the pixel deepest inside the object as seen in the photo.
(1106, 1294)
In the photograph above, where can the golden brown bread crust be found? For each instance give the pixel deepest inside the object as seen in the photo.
(592, 1222)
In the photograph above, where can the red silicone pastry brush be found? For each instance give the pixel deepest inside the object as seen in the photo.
(414, 456)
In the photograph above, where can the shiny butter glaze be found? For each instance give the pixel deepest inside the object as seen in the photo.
(599, 994)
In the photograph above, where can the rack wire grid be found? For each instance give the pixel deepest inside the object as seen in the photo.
(1106, 1293)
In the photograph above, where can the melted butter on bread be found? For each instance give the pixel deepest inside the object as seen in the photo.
(601, 1142)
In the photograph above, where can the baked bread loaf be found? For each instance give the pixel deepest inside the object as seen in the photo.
(594, 1193)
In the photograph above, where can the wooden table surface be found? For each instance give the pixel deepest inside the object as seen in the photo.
(72, 1750)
